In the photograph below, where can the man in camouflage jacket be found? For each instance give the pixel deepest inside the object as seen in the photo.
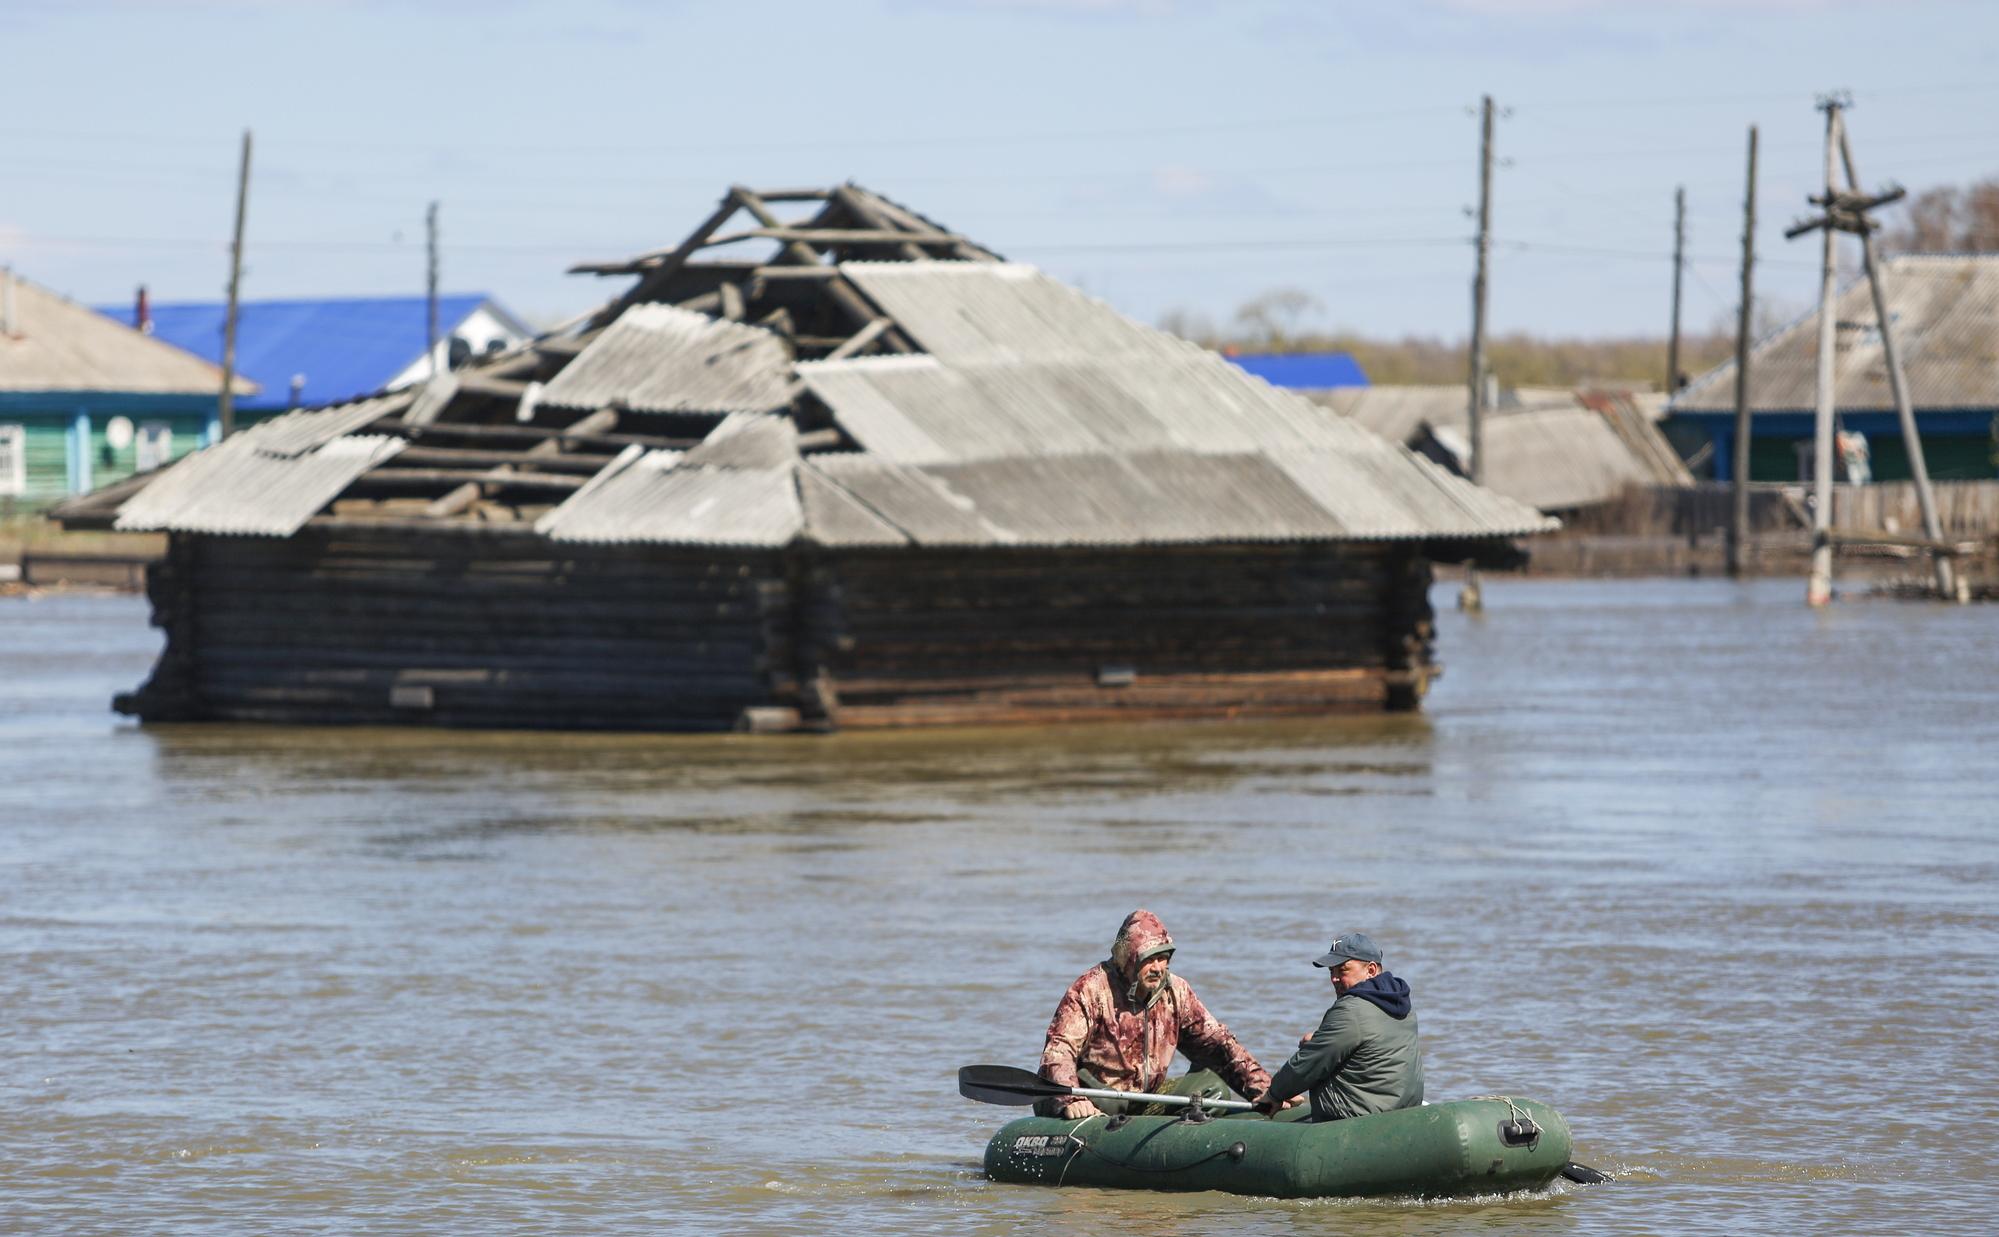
(1118, 1025)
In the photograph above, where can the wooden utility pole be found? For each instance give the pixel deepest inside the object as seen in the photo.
(1738, 521)
(226, 402)
(1898, 383)
(1679, 266)
(1818, 589)
(430, 244)
(1846, 211)
(1471, 598)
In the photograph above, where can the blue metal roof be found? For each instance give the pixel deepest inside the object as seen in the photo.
(1303, 371)
(344, 347)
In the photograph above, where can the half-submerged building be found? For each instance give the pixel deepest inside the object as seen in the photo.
(874, 477)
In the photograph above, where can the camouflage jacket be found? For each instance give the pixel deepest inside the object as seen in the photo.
(1098, 1027)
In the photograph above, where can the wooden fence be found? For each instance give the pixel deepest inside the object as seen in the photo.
(1966, 509)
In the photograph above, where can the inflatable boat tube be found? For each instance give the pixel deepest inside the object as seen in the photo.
(1479, 1146)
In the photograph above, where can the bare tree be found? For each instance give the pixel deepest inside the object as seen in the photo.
(1949, 219)
(1272, 319)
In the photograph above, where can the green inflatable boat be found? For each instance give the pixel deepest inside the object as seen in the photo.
(1493, 1145)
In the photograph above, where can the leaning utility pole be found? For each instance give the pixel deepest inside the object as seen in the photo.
(1898, 383)
(1818, 590)
(1679, 265)
(1471, 598)
(1846, 211)
(430, 230)
(226, 402)
(1738, 522)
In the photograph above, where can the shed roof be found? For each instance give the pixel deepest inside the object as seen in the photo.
(1945, 312)
(344, 347)
(1556, 458)
(56, 344)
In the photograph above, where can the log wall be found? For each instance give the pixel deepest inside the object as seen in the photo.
(466, 631)
(450, 629)
(922, 637)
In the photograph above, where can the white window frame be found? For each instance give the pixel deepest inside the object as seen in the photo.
(153, 432)
(13, 460)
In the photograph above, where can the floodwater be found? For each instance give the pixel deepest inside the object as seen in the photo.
(1714, 875)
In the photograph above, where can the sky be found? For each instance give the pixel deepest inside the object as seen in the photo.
(1165, 155)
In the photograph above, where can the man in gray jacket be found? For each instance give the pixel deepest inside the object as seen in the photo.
(1364, 1057)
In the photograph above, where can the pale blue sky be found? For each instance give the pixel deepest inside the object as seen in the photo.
(1160, 153)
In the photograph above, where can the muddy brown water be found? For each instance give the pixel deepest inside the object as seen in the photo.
(1714, 875)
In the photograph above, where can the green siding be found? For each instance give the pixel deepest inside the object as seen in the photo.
(1949, 457)
(47, 442)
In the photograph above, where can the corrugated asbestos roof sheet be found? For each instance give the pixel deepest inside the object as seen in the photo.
(1945, 313)
(657, 358)
(919, 506)
(1024, 373)
(748, 440)
(1552, 458)
(1166, 497)
(58, 345)
(1022, 365)
(299, 432)
(237, 486)
(738, 488)
(1163, 497)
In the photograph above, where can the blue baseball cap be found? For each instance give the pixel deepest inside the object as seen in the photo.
(1356, 945)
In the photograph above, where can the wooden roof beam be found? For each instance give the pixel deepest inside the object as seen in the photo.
(834, 236)
(840, 291)
(454, 476)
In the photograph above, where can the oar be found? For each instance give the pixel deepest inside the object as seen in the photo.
(1002, 1084)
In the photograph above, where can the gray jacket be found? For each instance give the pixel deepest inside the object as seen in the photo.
(1362, 1059)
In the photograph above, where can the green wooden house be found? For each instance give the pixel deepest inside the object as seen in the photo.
(85, 401)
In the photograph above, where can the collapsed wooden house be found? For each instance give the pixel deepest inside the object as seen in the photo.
(875, 477)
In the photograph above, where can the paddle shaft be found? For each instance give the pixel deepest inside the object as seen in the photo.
(1147, 1097)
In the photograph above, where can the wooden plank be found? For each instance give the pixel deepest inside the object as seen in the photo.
(860, 339)
(832, 237)
(448, 457)
(655, 279)
(540, 433)
(861, 208)
(449, 476)
(840, 291)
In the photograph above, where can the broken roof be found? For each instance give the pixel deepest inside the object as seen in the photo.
(874, 379)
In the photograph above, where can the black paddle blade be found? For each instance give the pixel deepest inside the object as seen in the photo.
(1002, 1084)
(1583, 1174)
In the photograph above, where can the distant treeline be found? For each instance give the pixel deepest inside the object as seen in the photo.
(1273, 322)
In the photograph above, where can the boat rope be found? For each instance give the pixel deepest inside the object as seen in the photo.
(1512, 1110)
(1080, 1144)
